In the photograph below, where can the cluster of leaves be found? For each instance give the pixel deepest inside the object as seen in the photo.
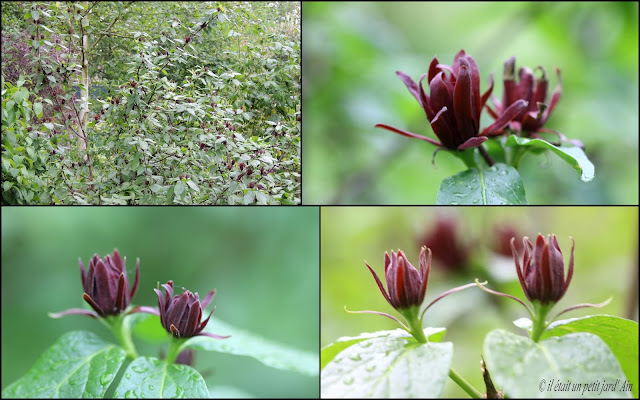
(81, 364)
(180, 126)
(600, 348)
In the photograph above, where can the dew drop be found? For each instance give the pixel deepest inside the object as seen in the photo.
(348, 380)
(371, 368)
(179, 392)
(151, 387)
(365, 344)
(226, 347)
(138, 369)
(337, 360)
(105, 378)
(130, 394)
(355, 357)
(127, 375)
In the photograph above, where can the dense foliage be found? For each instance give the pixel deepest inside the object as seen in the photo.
(188, 105)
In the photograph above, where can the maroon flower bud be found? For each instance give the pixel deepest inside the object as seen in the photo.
(542, 273)
(454, 105)
(29, 129)
(252, 185)
(445, 240)
(260, 186)
(185, 357)
(241, 166)
(503, 233)
(180, 176)
(41, 36)
(181, 314)
(106, 286)
(187, 176)
(61, 157)
(534, 91)
(406, 287)
(187, 39)
(249, 171)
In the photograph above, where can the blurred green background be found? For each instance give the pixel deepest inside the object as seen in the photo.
(352, 50)
(605, 265)
(262, 261)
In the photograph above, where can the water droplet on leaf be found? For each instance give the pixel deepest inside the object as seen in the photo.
(105, 378)
(348, 380)
(355, 357)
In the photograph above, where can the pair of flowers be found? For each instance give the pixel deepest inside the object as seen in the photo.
(454, 105)
(106, 289)
(541, 275)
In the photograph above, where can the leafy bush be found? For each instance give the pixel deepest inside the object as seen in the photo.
(204, 108)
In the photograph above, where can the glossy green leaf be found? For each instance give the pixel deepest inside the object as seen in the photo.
(574, 156)
(388, 366)
(150, 378)
(79, 364)
(270, 353)
(621, 335)
(497, 185)
(329, 352)
(523, 368)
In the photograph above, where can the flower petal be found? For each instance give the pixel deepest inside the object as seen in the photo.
(145, 309)
(411, 85)
(135, 281)
(443, 129)
(74, 311)
(375, 276)
(408, 134)
(425, 269)
(174, 331)
(161, 307)
(426, 105)
(193, 319)
(120, 296)
(93, 304)
(506, 117)
(554, 99)
(213, 335)
(177, 307)
(433, 69)
(523, 284)
(208, 299)
(473, 142)
(570, 273)
(463, 104)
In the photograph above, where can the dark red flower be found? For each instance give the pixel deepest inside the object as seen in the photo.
(454, 105)
(445, 240)
(501, 241)
(406, 287)
(106, 285)
(533, 90)
(542, 273)
(181, 314)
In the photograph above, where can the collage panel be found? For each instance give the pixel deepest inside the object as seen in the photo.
(483, 103)
(66, 332)
(463, 302)
(151, 103)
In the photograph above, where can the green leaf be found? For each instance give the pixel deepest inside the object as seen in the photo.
(193, 186)
(148, 377)
(621, 335)
(79, 364)
(37, 108)
(523, 368)
(574, 156)
(388, 366)
(179, 188)
(147, 327)
(497, 185)
(243, 343)
(329, 352)
(52, 79)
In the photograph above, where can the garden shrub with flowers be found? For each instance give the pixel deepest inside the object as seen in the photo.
(81, 364)
(453, 108)
(414, 361)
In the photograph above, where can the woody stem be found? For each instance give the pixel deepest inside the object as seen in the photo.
(486, 156)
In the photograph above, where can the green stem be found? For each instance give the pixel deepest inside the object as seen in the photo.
(121, 331)
(415, 323)
(175, 346)
(540, 312)
(466, 386)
